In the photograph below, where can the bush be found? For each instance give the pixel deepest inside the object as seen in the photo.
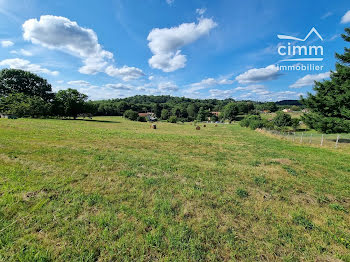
(172, 119)
(141, 119)
(282, 120)
(131, 115)
(245, 122)
(254, 122)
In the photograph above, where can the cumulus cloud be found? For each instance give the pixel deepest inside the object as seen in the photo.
(201, 11)
(221, 94)
(125, 72)
(56, 32)
(6, 43)
(346, 18)
(21, 52)
(26, 65)
(119, 86)
(209, 82)
(165, 43)
(256, 75)
(308, 80)
(167, 86)
(79, 83)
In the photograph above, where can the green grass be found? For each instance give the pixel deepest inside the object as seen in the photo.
(118, 190)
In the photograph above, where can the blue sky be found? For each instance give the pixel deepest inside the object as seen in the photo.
(200, 49)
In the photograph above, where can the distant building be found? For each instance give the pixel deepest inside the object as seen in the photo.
(305, 110)
(287, 110)
(149, 116)
(215, 113)
(7, 116)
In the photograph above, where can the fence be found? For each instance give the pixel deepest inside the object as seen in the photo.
(323, 140)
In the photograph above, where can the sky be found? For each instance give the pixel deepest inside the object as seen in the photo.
(192, 48)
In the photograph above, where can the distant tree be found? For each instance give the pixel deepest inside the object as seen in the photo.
(330, 105)
(282, 120)
(271, 106)
(202, 116)
(19, 81)
(192, 110)
(164, 114)
(295, 108)
(172, 119)
(131, 115)
(177, 111)
(69, 103)
(230, 111)
(22, 105)
(141, 119)
(214, 118)
(295, 123)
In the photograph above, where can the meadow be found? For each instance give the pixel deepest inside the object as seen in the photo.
(115, 190)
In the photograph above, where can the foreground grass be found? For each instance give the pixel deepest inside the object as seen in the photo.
(106, 191)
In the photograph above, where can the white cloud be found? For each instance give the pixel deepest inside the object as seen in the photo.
(328, 14)
(170, 2)
(125, 72)
(150, 78)
(165, 43)
(167, 86)
(7, 43)
(22, 52)
(221, 94)
(79, 83)
(56, 32)
(201, 11)
(209, 82)
(256, 75)
(308, 80)
(346, 18)
(59, 81)
(26, 65)
(119, 86)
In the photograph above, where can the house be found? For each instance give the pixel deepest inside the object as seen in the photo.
(215, 113)
(149, 116)
(287, 110)
(7, 116)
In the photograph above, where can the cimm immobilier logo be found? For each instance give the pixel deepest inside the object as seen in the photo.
(294, 52)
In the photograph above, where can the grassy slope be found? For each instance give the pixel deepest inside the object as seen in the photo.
(82, 190)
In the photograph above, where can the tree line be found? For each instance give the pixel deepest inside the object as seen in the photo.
(24, 94)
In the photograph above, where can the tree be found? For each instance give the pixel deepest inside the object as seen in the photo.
(295, 124)
(131, 115)
(69, 103)
(202, 116)
(282, 120)
(330, 105)
(164, 114)
(230, 111)
(172, 119)
(19, 81)
(192, 110)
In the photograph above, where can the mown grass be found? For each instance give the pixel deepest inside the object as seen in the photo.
(120, 191)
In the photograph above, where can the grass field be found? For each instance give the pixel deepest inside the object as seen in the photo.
(116, 190)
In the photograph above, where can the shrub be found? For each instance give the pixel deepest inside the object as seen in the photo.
(141, 119)
(282, 120)
(248, 119)
(131, 115)
(254, 122)
(172, 119)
